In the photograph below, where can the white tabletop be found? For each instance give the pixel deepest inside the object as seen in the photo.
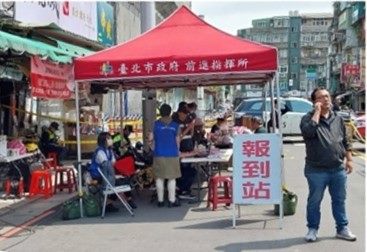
(15, 158)
(215, 156)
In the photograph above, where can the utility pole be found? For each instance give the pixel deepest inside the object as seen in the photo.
(147, 21)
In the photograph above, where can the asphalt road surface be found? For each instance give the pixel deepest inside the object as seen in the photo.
(192, 227)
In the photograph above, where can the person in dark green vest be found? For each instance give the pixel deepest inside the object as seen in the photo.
(50, 142)
(257, 125)
(122, 144)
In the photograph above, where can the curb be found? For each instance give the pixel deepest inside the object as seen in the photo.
(4, 210)
(17, 229)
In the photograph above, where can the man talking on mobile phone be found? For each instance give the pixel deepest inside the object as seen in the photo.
(328, 161)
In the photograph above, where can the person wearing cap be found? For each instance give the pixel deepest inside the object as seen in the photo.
(181, 107)
(50, 142)
(257, 125)
(186, 147)
(192, 107)
(122, 144)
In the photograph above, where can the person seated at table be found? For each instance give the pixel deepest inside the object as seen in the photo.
(192, 107)
(188, 173)
(199, 133)
(219, 134)
(257, 125)
(50, 142)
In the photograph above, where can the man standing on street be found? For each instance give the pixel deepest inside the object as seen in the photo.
(327, 147)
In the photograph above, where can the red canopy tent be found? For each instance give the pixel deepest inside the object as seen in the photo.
(182, 50)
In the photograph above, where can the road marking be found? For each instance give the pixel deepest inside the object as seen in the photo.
(18, 229)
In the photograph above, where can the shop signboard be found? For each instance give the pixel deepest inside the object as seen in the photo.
(350, 74)
(50, 80)
(311, 74)
(105, 24)
(79, 18)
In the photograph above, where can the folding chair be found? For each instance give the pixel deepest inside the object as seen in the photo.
(109, 190)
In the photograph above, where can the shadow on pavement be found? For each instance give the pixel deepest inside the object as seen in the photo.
(262, 245)
(147, 211)
(220, 224)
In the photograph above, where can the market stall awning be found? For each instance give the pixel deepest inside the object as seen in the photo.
(183, 50)
(63, 53)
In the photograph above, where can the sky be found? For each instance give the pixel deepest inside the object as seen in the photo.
(231, 16)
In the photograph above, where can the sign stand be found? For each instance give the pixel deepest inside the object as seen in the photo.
(257, 172)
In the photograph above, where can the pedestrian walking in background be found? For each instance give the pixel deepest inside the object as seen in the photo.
(283, 110)
(327, 147)
(166, 164)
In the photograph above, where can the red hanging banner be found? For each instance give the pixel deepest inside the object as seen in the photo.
(51, 81)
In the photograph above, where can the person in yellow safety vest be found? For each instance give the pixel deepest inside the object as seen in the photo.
(50, 142)
(122, 144)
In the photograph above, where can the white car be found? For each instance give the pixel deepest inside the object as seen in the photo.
(297, 108)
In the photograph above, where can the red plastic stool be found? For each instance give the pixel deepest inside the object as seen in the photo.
(213, 195)
(70, 179)
(53, 156)
(8, 187)
(41, 183)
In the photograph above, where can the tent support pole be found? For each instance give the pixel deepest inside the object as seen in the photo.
(282, 177)
(271, 91)
(79, 152)
(276, 81)
(147, 22)
(121, 110)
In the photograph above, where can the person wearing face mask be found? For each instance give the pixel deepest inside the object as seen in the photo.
(104, 159)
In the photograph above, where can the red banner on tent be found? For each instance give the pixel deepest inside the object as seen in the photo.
(51, 81)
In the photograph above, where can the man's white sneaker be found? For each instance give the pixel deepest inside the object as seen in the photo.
(346, 234)
(311, 236)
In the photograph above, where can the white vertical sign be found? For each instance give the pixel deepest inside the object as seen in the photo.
(256, 169)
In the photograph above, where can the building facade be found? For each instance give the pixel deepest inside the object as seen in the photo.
(302, 58)
(346, 55)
